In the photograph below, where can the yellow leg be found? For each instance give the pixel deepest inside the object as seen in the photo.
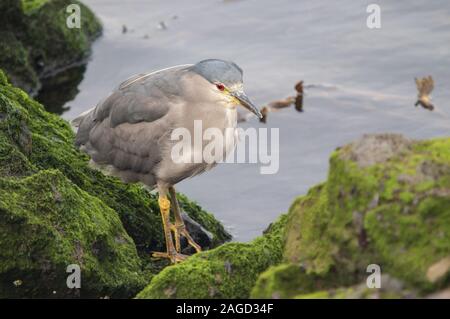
(176, 236)
(171, 253)
(179, 228)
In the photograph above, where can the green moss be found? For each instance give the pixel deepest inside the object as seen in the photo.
(394, 213)
(314, 295)
(288, 280)
(12, 161)
(34, 141)
(3, 78)
(14, 58)
(228, 271)
(29, 6)
(62, 225)
(35, 40)
(331, 212)
(48, 24)
(406, 197)
(391, 288)
(409, 243)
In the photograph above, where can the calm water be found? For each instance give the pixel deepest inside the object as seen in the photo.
(364, 80)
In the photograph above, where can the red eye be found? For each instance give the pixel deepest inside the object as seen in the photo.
(220, 86)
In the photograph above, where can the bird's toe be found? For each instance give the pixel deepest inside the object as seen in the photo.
(174, 257)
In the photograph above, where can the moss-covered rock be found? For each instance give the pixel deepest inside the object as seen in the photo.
(287, 280)
(228, 271)
(390, 288)
(35, 41)
(36, 145)
(46, 224)
(386, 202)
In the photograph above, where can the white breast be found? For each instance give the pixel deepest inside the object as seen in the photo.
(231, 134)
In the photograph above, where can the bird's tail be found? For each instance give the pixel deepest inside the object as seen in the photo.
(77, 121)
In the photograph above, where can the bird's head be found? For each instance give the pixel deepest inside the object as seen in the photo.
(225, 78)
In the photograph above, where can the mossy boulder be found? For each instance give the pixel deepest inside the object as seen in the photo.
(386, 202)
(121, 221)
(48, 223)
(35, 41)
(390, 288)
(228, 271)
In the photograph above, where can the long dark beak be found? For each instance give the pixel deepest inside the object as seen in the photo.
(245, 101)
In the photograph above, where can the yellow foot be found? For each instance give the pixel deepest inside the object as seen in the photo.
(180, 230)
(174, 257)
(164, 203)
(176, 236)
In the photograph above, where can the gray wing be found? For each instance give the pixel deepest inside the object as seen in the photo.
(125, 129)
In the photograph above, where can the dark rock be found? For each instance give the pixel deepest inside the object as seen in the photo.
(200, 235)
